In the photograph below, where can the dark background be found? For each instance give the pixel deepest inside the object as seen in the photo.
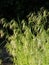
(10, 9)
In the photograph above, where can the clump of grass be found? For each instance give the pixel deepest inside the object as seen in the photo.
(29, 44)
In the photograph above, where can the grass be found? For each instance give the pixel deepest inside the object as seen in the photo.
(29, 44)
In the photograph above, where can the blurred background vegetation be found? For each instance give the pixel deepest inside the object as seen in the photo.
(24, 32)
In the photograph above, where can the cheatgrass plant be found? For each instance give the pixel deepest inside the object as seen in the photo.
(29, 44)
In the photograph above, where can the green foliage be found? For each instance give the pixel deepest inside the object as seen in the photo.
(29, 44)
